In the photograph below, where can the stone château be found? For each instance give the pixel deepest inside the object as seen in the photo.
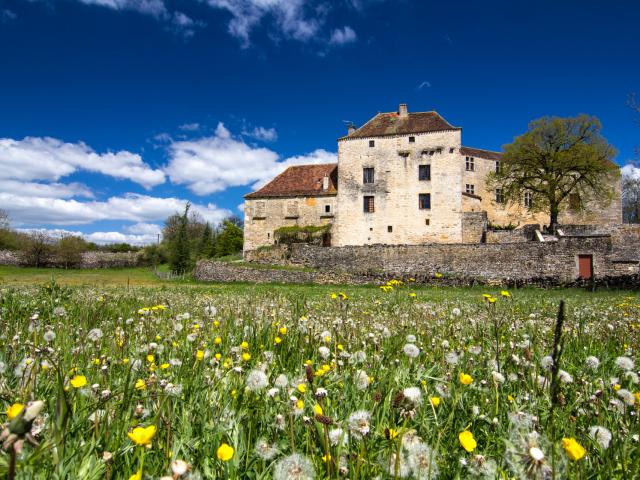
(403, 178)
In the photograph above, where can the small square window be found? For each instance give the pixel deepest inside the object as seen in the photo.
(498, 166)
(424, 201)
(372, 143)
(471, 189)
(527, 199)
(451, 150)
(439, 150)
(426, 221)
(369, 206)
(327, 209)
(499, 196)
(268, 235)
(390, 229)
(412, 139)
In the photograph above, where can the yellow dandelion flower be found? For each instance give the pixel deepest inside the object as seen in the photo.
(246, 356)
(14, 410)
(505, 293)
(199, 355)
(302, 387)
(326, 458)
(283, 330)
(78, 381)
(573, 449)
(244, 345)
(151, 358)
(467, 441)
(317, 409)
(140, 384)
(300, 404)
(435, 401)
(225, 452)
(465, 379)
(393, 433)
(164, 366)
(136, 476)
(142, 435)
(277, 340)
(217, 341)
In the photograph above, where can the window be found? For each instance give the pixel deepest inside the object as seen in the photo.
(327, 209)
(426, 222)
(469, 164)
(439, 150)
(368, 205)
(412, 139)
(367, 175)
(372, 143)
(390, 229)
(424, 201)
(499, 196)
(451, 150)
(527, 199)
(574, 201)
(424, 172)
(498, 167)
(468, 188)
(292, 209)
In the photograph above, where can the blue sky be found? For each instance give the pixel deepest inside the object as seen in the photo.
(113, 113)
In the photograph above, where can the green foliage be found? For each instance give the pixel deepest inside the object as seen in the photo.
(179, 249)
(555, 158)
(230, 240)
(9, 239)
(68, 251)
(36, 249)
(300, 234)
(497, 228)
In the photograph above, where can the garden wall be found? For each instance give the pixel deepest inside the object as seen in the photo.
(510, 262)
(89, 259)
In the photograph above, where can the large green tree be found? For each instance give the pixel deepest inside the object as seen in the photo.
(179, 246)
(230, 240)
(556, 158)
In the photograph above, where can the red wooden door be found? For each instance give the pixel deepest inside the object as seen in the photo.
(585, 266)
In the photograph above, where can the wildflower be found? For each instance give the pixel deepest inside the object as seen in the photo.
(225, 452)
(140, 384)
(78, 381)
(49, 336)
(199, 355)
(413, 394)
(625, 363)
(498, 378)
(336, 436)
(435, 401)
(136, 476)
(455, 311)
(481, 467)
(573, 449)
(410, 350)
(505, 293)
(626, 396)
(390, 433)
(246, 356)
(359, 423)
(601, 436)
(257, 380)
(94, 334)
(421, 460)
(179, 468)
(302, 388)
(244, 345)
(142, 435)
(217, 340)
(465, 378)
(467, 441)
(281, 381)
(546, 362)
(282, 330)
(264, 450)
(14, 410)
(592, 362)
(362, 380)
(451, 358)
(317, 409)
(293, 467)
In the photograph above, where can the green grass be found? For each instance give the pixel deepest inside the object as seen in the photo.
(180, 367)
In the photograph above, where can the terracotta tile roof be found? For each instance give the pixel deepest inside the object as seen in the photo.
(393, 124)
(480, 153)
(300, 180)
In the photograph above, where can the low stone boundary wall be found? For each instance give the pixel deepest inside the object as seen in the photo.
(89, 259)
(506, 262)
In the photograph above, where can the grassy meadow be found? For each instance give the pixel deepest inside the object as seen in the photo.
(131, 377)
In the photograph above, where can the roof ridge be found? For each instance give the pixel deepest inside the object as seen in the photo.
(483, 149)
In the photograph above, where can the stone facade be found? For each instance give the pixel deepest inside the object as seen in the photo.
(397, 217)
(264, 216)
(401, 179)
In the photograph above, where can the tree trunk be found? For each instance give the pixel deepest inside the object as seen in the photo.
(553, 224)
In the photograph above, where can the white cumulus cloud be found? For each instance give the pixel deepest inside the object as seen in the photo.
(130, 207)
(49, 159)
(213, 164)
(631, 171)
(262, 133)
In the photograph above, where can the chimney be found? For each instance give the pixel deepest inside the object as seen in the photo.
(325, 183)
(351, 128)
(402, 111)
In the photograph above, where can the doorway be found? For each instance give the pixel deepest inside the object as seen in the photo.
(585, 267)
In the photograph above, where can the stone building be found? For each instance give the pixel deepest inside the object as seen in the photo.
(403, 178)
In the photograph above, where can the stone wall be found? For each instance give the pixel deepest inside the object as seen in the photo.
(89, 259)
(397, 218)
(525, 233)
(557, 261)
(262, 216)
(474, 226)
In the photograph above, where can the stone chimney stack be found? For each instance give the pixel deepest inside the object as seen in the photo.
(325, 183)
(402, 111)
(351, 128)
